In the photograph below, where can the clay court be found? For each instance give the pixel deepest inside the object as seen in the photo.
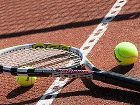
(70, 22)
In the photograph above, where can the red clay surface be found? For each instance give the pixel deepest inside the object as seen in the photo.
(70, 22)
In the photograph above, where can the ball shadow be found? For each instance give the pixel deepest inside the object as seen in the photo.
(122, 69)
(16, 92)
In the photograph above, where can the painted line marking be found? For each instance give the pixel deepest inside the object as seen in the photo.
(86, 47)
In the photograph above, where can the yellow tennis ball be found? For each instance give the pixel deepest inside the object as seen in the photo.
(126, 53)
(25, 81)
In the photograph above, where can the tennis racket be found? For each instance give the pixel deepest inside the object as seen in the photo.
(54, 60)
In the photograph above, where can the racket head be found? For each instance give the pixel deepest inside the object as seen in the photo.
(39, 56)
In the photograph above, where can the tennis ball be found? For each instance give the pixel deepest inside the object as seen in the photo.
(126, 53)
(25, 81)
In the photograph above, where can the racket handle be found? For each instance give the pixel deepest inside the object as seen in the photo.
(117, 80)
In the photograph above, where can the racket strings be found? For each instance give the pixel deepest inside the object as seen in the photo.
(54, 61)
(42, 59)
(39, 58)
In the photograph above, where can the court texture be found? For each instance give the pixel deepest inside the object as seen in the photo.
(71, 22)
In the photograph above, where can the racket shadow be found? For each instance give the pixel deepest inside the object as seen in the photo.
(105, 93)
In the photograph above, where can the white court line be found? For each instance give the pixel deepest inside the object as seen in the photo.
(57, 85)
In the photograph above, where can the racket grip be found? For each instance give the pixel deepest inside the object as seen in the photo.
(118, 80)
